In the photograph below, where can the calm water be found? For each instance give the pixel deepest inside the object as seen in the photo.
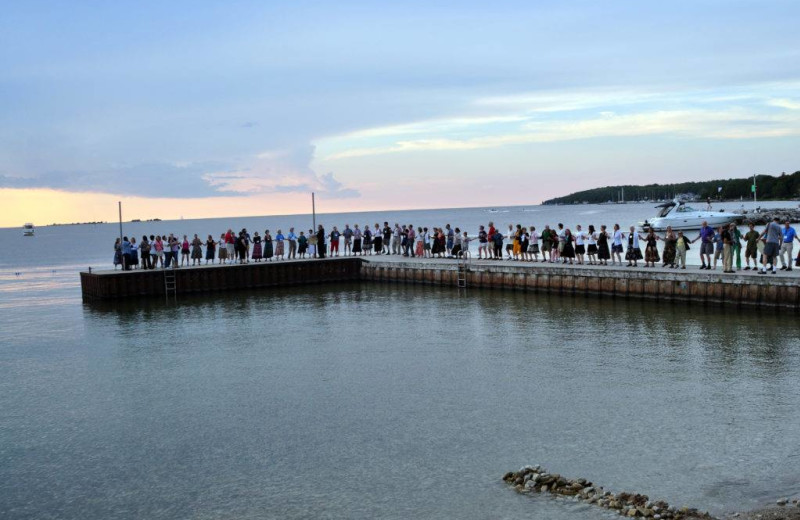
(365, 401)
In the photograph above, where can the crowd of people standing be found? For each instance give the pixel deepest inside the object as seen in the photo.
(592, 246)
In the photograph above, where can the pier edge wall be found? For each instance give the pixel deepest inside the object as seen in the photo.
(681, 286)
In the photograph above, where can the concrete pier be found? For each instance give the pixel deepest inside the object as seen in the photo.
(108, 285)
(744, 288)
(689, 285)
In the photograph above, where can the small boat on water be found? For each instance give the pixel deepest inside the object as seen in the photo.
(28, 230)
(680, 216)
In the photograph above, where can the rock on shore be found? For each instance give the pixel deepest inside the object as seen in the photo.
(536, 479)
(764, 216)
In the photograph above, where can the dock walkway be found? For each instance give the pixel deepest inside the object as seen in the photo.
(692, 284)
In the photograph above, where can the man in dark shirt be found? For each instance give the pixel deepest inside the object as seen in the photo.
(387, 237)
(321, 241)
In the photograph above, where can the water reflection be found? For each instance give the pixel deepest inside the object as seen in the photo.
(307, 401)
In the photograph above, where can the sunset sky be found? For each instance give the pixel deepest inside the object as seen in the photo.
(205, 109)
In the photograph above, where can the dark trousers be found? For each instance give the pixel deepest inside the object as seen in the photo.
(145, 260)
(321, 250)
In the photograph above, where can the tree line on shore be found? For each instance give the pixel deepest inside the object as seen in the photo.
(782, 187)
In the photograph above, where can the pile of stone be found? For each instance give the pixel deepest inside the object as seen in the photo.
(761, 217)
(537, 479)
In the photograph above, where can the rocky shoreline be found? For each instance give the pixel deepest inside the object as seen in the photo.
(536, 479)
(761, 217)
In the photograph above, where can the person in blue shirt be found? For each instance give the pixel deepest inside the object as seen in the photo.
(789, 236)
(292, 238)
(706, 237)
(126, 254)
(279, 238)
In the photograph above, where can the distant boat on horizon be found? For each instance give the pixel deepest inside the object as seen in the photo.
(28, 230)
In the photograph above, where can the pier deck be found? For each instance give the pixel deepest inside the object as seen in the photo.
(691, 285)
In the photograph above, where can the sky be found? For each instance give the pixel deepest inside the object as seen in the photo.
(209, 109)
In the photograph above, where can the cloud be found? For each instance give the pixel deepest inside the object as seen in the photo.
(277, 171)
(734, 124)
(551, 117)
(280, 171)
(153, 179)
(784, 103)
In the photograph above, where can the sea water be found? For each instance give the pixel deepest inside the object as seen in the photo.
(376, 401)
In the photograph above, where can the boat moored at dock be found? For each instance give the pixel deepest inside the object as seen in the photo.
(677, 215)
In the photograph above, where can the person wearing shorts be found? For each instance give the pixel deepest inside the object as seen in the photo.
(483, 243)
(348, 240)
(706, 238)
(751, 247)
(510, 244)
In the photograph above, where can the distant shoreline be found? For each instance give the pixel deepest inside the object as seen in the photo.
(766, 187)
(490, 210)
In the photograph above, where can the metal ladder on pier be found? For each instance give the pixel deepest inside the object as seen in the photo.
(463, 269)
(170, 284)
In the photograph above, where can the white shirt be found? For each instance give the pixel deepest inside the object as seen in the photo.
(579, 236)
(618, 237)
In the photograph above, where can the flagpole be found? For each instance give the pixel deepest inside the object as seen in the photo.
(121, 257)
(313, 213)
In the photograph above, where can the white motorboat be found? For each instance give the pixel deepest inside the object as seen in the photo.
(28, 230)
(680, 216)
